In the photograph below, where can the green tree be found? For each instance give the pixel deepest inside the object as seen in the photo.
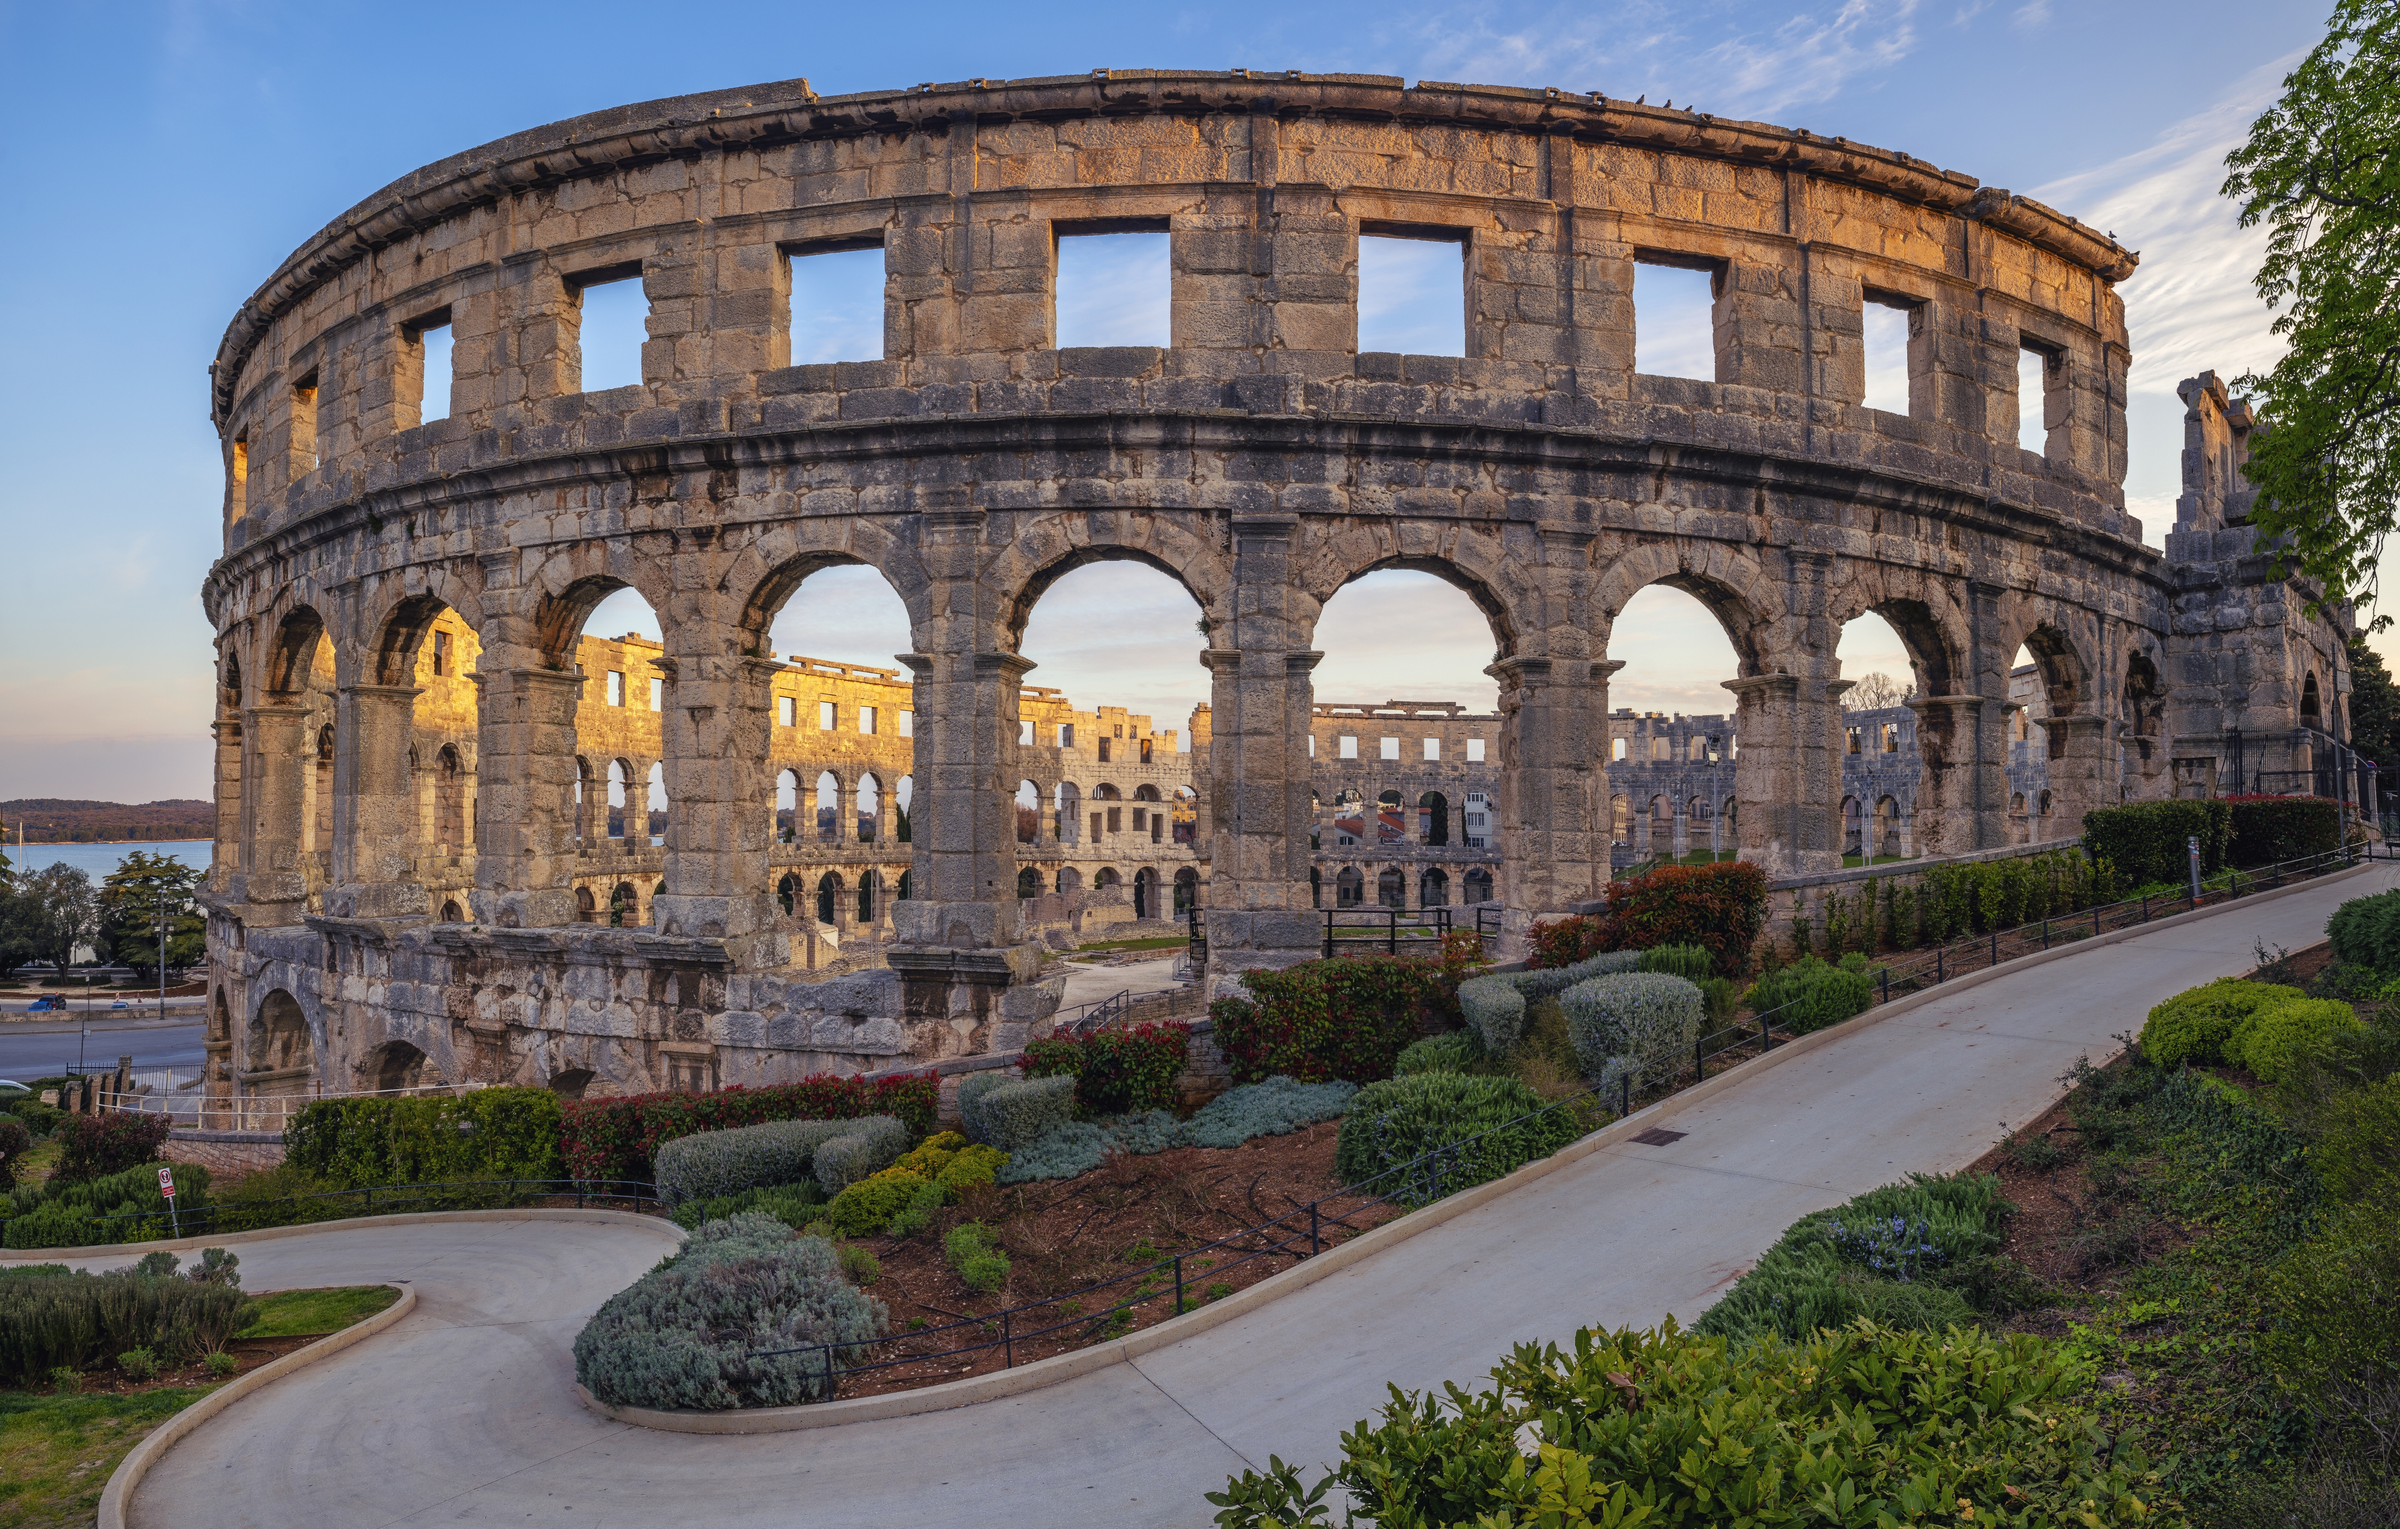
(2374, 712)
(2322, 171)
(130, 903)
(62, 912)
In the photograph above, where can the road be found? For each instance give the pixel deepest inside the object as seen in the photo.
(31, 1049)
(463, 1413)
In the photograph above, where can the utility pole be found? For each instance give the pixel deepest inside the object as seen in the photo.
(162, 952)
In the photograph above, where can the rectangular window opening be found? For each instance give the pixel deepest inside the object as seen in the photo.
(304, 425)
(837, 303)
(1675, 317)
(1349, 749)
(428, 341)
(1066, 735)
(1474, 751)
(1025, 733)
(613, 321)
(908, 724)
(1412, 292)
(824, 716)
(616, 687)
(1885, 338)
(658, 694)
(1433, 748)
(240, 490)
(2034, 368)
(787, 711)
(1391, 748)
(441, 653)
(1113, 288)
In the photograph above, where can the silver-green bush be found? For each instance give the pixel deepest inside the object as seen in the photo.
(1638, 1023)
(687, 1335)
(1013, 1114)
(872, 1144)
(972, 1091)
(1495, 1011)
(712, 1163)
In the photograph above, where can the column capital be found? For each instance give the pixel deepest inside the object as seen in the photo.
(1605, 668)
(381, 692)
(1763, 684)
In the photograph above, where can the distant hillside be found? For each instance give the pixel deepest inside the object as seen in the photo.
(54, 820)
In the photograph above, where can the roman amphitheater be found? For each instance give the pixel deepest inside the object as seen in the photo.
(459, 837)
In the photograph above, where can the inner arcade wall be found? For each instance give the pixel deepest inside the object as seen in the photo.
(1260, 458)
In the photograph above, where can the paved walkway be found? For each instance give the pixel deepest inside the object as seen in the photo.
(464, 1413)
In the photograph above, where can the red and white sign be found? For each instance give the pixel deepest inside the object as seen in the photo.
(166, 1182)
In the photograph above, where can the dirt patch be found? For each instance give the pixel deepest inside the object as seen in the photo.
(1115, 1223)
(248, 1354)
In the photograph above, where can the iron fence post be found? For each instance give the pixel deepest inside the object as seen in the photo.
(1699, 1060)
(1766, 1042)
(1624, 1094)
(2045, 933)
(2095, 918)
(2145, 907)
(1887, 984)
(1008, 1341)
(1179, 1284)
(1316, 1241)
(1995, 947)
(1938, 978)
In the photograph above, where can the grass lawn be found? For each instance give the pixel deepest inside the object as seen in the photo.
(57, 1452)
(1163, 942)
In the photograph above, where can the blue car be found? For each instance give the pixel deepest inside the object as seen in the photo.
(48, 1003)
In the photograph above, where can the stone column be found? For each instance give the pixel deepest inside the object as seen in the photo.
(1683, 827)
(282, 765)
(719, 713)
(2080, 748)
(1962, 799)
(1258, 903)
(374, 805)
(525, 760)
(1787, 780)
(225, 858)
(1553, 785)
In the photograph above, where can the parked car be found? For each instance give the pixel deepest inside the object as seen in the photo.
(48, 1003)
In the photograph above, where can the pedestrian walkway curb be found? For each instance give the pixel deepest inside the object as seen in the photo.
(270, 1233)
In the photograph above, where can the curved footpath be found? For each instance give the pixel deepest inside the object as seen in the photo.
(466, 1412)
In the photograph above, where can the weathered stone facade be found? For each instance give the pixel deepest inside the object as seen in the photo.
(1259, 458)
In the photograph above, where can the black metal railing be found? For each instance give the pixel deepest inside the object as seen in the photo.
(1096, 1015)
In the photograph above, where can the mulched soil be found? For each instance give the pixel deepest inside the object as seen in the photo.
(248, 1353)
(1110, 1223)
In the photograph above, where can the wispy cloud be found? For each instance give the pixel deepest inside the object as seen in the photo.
(1813, 57)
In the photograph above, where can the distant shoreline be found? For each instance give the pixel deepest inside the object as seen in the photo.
(12, 842)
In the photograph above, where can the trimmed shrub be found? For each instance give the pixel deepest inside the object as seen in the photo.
(869, 1206)
(1810, 994)
(1349, 1017)
(2194, 1025)
(96, 1146)
(500, 1133)
(689, 1335)
(1864, 1426)
(795, 1205)
(1450, 1051)
(2365, 931)
(1719, 907)
(1695, 964)
(973, 1088)
(1636, 1024)
(67, 1321)
(1276, 1107)
(2268, 830)
(2274, 1034)
(1015, 1112)
(718, 1163)
(1052, 1056)
(1482, 1127)
(69, 1215)
(1495, 1013)
(602, 1139)
(974, 1251)
(1131, 1069)
(869, 1146)
(2144, 841)
(15, 1142)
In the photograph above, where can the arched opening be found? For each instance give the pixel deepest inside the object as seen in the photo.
(1887, 827)
(787, 891)
(2312, 709)
(1620, 819)
(620, 792)
(571, 1083)
(587, 908)
(1029, 883)
(1069, 879)
(1854, 832)
(1388, 828)
(829, 807)
(1411, 633)
(427, 646)
(1891, 655)
(279, 1054)
(603, 629)
(868, 799)
(1184, 814)
(451, 912)
(787, 806)
(1671, 721)
(1391, 888)
(1316, 886)
(656, 798)
(1028, 803)
(585, 794)
(900, 889)
(1479, 885)
(829, 897)
(1349, 888)
(624, 906)
(449, 802)
(1187, 891)
(1433, 819)
(902, 795)
(1145, 893)
(1433, 888)
(294, 738)
(1110, 627)
(396, 1066)
(1067, 804)
(1107, 879)
(866, 898)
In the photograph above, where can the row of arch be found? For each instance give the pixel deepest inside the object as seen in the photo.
(1350, 888)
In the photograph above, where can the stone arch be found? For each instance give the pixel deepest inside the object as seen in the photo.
(559, 614)
(1187, 890)
(394, 1066)
(452, 913)
(1391, 887)
(624, 906)
(571, 1083)
(587, 908)
(279, 1051)
(1727, 583)
(2312, 702)
(787, 892)
(1922, 610)
(2065, 674)
(293, 651)
(1055, 545)
(1433, 888)
(829, 896)
(1069, 879)
(1508, 604)
(1478, 884)
(868, 885)
(401, 635)
(1433, 819)
(1145, 893)
(1349, 887)
(773, 573)
(1146, 793)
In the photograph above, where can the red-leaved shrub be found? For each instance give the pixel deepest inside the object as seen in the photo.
(614, 1138)
(95, 1146)
(1721, 906)
(1116, 1071)
(1349, 1017)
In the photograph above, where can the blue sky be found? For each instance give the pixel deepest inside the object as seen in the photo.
(162, 158)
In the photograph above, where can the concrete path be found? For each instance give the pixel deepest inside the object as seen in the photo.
(464, 1414)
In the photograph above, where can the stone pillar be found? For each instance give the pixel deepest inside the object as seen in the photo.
(1258, 903)
(225, 858)
(282, 766)
(374, 805)
(1553, 786)
(1683, 828)
(1962, 799)
(525, 758)
(719, 714)
(1787, 781)
(1640, 812)
(2080, 749)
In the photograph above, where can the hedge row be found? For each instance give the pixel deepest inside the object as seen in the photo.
(1721, 907)
(614, 1138)
(498, 1133)
(1348, 1017)
(1116, 1072)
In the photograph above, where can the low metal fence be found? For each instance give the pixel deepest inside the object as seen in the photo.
(1309, 1229)
(244, 1112)
(1364, 927)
